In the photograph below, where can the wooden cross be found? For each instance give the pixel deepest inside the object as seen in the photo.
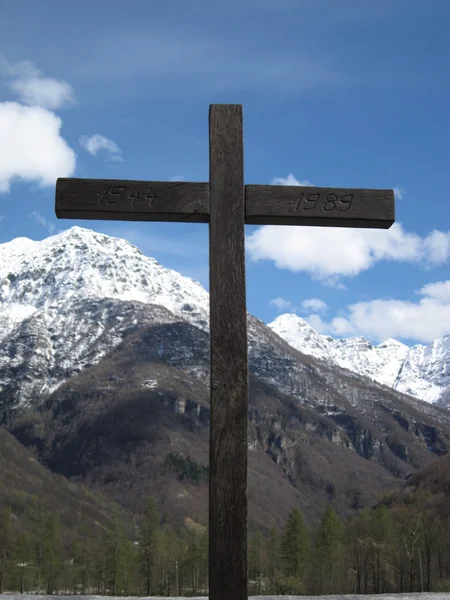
(226, 204)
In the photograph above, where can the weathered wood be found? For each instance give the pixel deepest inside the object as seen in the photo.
(116, 199)
(124, 200)
(229, 374)
(226, 205)
(327, 207)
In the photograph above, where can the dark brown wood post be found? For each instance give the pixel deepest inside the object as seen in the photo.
(229, 371)
(226, 205)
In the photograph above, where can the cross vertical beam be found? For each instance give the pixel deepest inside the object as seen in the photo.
(225, 204)
(229, 368)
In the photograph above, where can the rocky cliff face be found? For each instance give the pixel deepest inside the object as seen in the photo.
(327, 437)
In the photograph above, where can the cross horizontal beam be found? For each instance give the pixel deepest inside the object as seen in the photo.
(314, 206)
(128, 200)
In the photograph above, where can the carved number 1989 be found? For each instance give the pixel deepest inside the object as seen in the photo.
(330, 202)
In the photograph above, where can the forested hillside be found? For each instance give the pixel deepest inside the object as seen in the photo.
(401, 545)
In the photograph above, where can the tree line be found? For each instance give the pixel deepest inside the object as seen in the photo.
(384, 550)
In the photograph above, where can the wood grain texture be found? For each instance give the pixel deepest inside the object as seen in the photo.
(229, 372)
(313, 206)
(124, 200)
(226, 205)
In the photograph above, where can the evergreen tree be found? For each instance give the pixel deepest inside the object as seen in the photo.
(195, 561)
(174, 562)
(115, 555)
(408, 532)
(37, 543)
(202, 563)
(295, 546)
(258, 562)
(52, 554)
(81, 553)
(148, 545)
(98, 564)
(274, 567)
(6, 544)
(357, 552)
(381, 537)
(432, 525)
(329, 549)
(167, 555)
(127, 570)
(22, 557)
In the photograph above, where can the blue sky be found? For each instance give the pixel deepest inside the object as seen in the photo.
(348, 93)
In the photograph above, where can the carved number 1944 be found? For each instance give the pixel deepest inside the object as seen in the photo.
(113, 194)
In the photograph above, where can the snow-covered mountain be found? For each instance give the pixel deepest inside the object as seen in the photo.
(82, 264)
(420, 371)
(67, 300)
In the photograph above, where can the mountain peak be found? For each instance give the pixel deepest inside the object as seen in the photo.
(81, 263)
(101, 241)
(76, 230)
(392, 343)
(291, 320)
(300, 335)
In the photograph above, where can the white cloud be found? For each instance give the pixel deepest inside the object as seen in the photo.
(308, 305)
(33, 88)
(330, 253)
(177, 178)
(281, 304)
(289, 180)
(318, 324)
(45, 92)
(314, 304)
(399, 193)
(31, 146)
(437, 247)
(94, 143)
(440, 290)
(48, 225)
(379, 319)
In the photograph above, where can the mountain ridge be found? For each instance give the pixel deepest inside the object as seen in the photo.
(419, 371)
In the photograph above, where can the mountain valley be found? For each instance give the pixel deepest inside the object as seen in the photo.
(104, 367)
